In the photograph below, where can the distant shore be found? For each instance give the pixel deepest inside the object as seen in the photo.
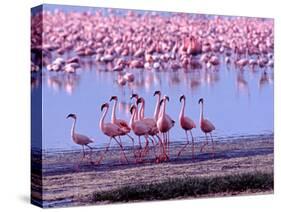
(243, 165)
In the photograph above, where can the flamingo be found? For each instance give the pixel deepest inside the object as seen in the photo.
(156, 115)
(111, 130)
(193, 46)
(186, 124)
(135, 96)
(150, 122)
(164, 122)
(78, 138)
(120, 122)
(138, 126)
(157, 107)
(206, 126)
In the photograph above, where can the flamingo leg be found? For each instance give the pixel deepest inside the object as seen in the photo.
(168, 143)
(146, 148)
(153, 143)
(119, 137)
(162, 145)
(206, 143)
(91, 151)
(154, 146)
(144, 152)
(121, 149)
(192, 139)
(106, 150)
(83, 151)
(140, 147)
(213, 145)
(187, 142)
(140, 143)
(87, 145)
(132, 139)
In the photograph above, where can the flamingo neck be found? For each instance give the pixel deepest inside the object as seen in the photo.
(136, 113)
(141, 114)
(73, 129)
(157, 108)
(132, 118)
(113, 115)
(201, 112)
(163, 113)
(182, 109)
(102, 119)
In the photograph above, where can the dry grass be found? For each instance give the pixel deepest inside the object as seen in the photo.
(188, 187)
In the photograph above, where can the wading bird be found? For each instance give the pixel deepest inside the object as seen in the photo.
(111, 130)
(149, 122)
(165, 123)
(206, 127)
(157, 107)
(186, 124)
(119, 122)
(138, 126)
(136, 96)
(78, 138)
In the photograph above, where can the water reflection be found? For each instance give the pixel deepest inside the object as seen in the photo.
(63, 82)
(85, 91)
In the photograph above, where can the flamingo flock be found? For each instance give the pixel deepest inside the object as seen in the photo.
(151, 132)
(123, 41)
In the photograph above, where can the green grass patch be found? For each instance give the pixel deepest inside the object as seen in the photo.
(189, 187)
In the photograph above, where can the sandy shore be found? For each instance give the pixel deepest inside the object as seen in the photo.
(68, 182)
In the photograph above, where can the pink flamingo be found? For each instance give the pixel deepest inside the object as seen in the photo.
(186, 124)
(119, 122)
(136, 96)
(150, 122)
(206, 127)
(111, 130)
(157, 107)
(165, 123)
(194, 47)
(78, 138)
(138, 126)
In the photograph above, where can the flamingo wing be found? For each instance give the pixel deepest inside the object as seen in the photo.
(141, 128)
(149, 122)
(112, 129)
(82, 139)
(122, 123)
(187, 123)
(170, 120)
(207, 125)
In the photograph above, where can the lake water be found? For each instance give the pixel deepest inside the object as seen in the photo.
(237, 102)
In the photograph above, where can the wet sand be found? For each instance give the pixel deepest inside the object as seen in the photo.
(69, 181)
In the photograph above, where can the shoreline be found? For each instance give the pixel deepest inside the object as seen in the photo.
(64, 183)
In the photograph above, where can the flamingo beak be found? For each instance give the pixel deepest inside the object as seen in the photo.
(103, 106)
(71, 115)
(200, 100)
(156, 92)
(134, 96)
(162, 100)
(139, 101)
(182, 97)
(132, 108)
(113, 98)
(168, 98)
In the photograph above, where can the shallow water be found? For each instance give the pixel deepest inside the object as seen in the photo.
(237, 102)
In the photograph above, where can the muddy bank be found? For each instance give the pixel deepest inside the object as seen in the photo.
(67, 182)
